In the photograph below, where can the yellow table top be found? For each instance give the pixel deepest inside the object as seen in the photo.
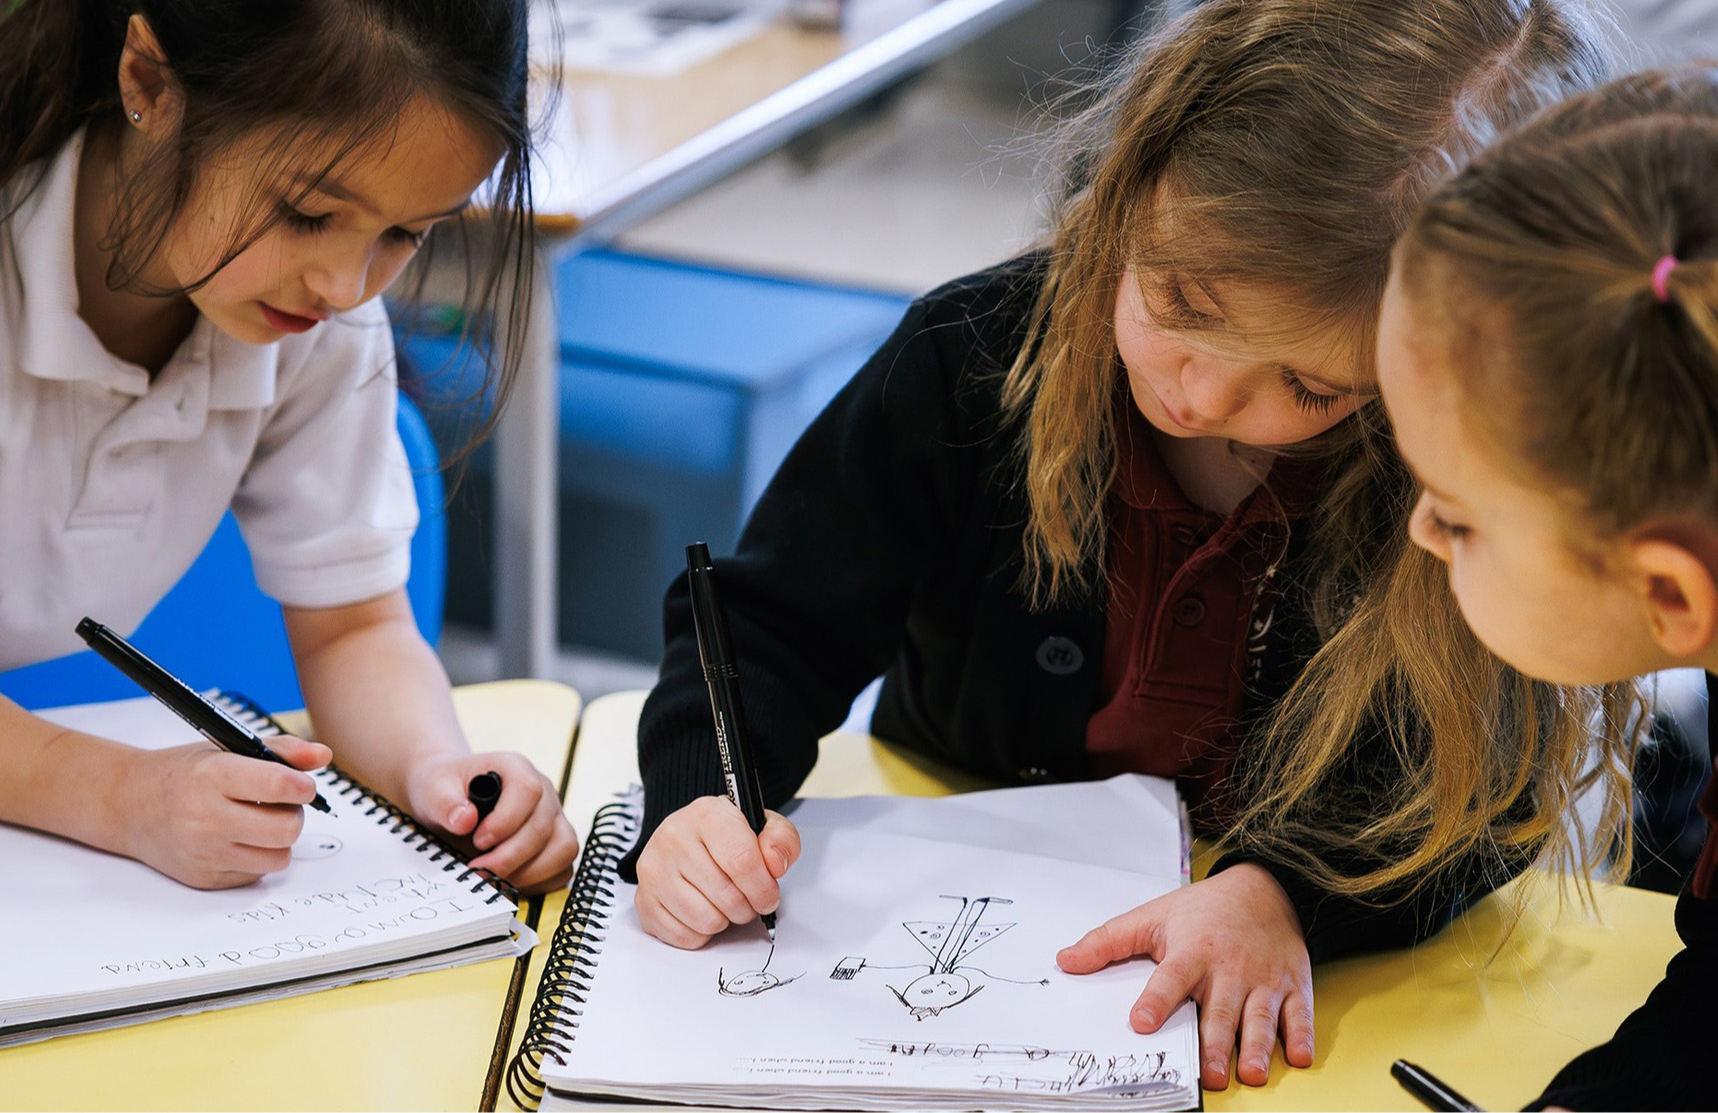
(418, 1042)
(1493, 1012)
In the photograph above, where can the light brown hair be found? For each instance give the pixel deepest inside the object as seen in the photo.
(1588, 382)
(1285, 145)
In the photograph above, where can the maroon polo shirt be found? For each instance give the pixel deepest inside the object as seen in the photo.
(1190, 598)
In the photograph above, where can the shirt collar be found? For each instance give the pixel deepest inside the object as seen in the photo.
(55, 343)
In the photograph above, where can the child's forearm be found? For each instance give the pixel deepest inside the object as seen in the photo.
(375, 690)
(63, 781)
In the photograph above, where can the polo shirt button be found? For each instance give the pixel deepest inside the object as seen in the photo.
(1189, 611)
(1034, 773)
(1059, 656)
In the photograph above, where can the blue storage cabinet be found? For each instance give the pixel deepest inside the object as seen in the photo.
(682, 387)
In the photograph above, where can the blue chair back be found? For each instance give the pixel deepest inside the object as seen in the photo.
(246, 649)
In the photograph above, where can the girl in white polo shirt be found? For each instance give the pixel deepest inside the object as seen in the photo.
(199, 204)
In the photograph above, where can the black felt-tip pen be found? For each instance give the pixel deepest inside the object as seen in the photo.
(1430, 1089)
(722, 678)
(183, 700)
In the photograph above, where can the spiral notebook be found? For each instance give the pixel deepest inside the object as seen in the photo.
(914, 966)
(97, 940)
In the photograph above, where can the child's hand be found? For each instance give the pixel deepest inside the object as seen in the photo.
(703, 869)
(215, 820)
(526, 839)
(1233, 943)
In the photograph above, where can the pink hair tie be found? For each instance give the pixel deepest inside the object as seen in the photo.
(1661, 278)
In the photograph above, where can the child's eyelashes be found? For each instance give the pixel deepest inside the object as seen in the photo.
(300, 221)
(1177, 310)
(1309, 400)
(309, 225)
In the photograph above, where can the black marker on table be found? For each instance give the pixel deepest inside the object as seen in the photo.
(722, 677)
(483, 792)
(183, 700)
(1430, 1089)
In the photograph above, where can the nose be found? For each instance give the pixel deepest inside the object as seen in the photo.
(1427, 536)
(342, 280)
(1215, 388)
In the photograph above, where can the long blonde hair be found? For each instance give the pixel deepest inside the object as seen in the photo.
(1285, 145)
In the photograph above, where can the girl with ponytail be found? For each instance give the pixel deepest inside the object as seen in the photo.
(1549, 356)
(200, 202)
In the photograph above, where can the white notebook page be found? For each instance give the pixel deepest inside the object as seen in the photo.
(907, 970)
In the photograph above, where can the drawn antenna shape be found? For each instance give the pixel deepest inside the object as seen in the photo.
(951, 941)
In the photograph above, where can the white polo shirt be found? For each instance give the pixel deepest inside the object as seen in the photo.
(111, 484)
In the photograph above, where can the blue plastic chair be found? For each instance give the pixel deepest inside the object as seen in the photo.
(246, 650)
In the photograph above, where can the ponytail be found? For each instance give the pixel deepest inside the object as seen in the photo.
(1610, 354)
(1690, 287)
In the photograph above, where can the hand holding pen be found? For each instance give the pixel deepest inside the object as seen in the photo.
(715, 862)
(203, 816)
(184, 701)
(722, 677)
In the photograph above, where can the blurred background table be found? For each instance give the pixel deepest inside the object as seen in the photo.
(618, 148)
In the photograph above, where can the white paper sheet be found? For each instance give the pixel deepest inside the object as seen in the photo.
(1128, 822)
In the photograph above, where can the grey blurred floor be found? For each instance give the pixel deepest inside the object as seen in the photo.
(921, 186)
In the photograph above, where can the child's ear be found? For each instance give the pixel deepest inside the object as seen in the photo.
(145, 81)
(1680, 596)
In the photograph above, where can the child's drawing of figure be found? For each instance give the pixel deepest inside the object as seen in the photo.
(945, 982)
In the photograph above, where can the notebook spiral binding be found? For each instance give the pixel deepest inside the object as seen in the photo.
(555, 1014)
(359, 795)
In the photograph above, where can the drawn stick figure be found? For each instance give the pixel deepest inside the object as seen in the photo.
(945, 982)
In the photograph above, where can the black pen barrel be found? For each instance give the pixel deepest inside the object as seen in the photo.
(722, 678)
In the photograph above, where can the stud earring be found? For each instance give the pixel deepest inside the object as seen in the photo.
(136, 116)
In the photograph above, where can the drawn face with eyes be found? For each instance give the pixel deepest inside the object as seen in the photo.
(929, 994)
(748, 984)
(937, 989)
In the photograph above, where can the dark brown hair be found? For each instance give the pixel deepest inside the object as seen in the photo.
(316, 76)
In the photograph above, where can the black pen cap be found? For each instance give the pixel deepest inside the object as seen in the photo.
(715, 651)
